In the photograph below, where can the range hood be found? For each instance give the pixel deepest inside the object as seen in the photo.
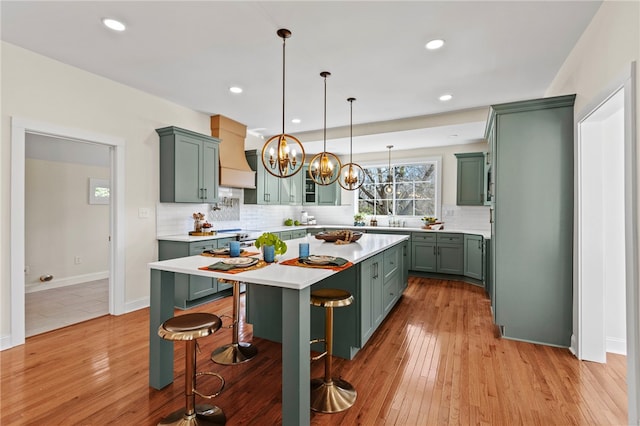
(234, 169)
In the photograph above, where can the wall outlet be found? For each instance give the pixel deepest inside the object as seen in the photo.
(77, 260)
(143, 213)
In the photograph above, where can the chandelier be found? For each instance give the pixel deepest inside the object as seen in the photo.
(279, 153)
(352, 174)
(324, 168)
(388, 188)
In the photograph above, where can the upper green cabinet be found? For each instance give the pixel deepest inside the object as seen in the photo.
(271, 189)
(320, 195)
(471, 179)
(188, 166)
(531, 274)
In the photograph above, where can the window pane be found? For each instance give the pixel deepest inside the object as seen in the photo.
(404, 207)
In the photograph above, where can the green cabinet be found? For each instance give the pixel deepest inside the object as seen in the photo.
(188, 166)
(267, 190)
(291, 189)
(471, 179)
(531, 146)
(192, 290)
(392, 270)
(319, 195)
(371, 281)
(474, 256)
(437, 252)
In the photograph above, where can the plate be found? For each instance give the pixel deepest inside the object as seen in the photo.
(318, 259)
(240, 261)
(222, 250)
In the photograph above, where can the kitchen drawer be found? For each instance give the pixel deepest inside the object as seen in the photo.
(390, 293)
(299, 233)
(200, 246)
(391, 262)
(423, 237)
(450, 238)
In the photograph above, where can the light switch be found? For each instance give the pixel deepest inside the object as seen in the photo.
(143, 213)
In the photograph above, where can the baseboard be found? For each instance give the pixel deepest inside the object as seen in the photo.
(616, 346)
(574, 346)
(5, 342)
(136, 305)
(64, 282)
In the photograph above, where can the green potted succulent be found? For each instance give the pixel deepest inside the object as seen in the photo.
(271, 245)
(358, 219)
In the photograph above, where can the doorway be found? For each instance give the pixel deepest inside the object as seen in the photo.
(66, 232)
(606, 232)
(20, 127)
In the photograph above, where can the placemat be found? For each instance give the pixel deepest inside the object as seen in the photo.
(234, 270)
(243, 254)
(297, 262)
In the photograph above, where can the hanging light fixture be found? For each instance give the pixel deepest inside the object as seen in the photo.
(352, 174)
(324, 168)
(279, 153)
(388, 188)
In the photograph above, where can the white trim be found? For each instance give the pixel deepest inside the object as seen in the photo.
(616, 346)
(627, 82)
(19, 127)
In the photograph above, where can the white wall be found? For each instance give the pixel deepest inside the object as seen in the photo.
(42, 89)
(62, 225)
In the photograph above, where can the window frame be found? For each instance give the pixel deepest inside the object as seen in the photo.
(406, 161)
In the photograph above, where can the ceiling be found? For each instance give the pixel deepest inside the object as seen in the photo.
(191, 53)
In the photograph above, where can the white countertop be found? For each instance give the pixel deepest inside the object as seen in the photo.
(282, 275)
(190, 239)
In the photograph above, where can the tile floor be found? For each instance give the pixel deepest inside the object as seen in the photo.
(59, 307)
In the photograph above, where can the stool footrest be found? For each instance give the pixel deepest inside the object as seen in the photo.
(210, 373)
(317, 357)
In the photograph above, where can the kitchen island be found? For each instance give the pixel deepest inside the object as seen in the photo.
(294, 284)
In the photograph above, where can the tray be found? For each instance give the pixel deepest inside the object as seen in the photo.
(333, 236)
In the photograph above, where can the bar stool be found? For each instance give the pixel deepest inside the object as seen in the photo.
(190, 327)
(328, 394)
(236, 352)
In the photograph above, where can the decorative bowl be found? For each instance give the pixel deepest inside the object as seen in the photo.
(333, 236)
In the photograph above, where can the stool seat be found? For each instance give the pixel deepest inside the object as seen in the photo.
(331, 298)
(190, 326)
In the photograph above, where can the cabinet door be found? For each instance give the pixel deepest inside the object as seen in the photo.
(391, 292)
(286, 235)
(470, 185)
(209, 182)
(473, 256)
(291, 189)
(310, 194)
(392, 261)
(450, 258)
(371, 297)
(423, 256)
(270, 189)
(188, 169)
(328, 195)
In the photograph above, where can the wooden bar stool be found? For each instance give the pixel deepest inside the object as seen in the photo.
(235, 352)
(329, 394)
(190, 327)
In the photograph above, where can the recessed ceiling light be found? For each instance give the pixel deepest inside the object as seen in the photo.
(113, 24)
(296, 121)
(435, 44)
(445, 98)
(235, 89)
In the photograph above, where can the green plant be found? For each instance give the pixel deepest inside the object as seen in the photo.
(269, 239)
(358, 217)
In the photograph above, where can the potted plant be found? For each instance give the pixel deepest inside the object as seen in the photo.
(358, 219)
(271, 245)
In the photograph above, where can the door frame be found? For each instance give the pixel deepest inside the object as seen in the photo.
(19, 128)
(625, 82)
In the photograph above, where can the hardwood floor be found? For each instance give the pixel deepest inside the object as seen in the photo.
(435, 360)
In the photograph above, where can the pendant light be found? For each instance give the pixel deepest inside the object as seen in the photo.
(324, 168)
(388, 188)
(279, 153)
(352, 175)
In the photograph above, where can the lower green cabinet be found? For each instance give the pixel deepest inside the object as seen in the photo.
(192, 290)
(371, 296)
(474, 256)
(441, 252)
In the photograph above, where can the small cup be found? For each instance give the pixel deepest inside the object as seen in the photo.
(269, 253)
(303, 250)
(234, 248)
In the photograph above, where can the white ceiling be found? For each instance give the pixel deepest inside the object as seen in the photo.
(192, 52)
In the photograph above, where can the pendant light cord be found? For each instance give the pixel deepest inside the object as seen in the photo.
(284, 42)
(324, 149)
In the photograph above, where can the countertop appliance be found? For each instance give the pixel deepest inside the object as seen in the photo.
(247, 237)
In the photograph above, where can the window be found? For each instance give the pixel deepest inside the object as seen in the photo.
(409, 190)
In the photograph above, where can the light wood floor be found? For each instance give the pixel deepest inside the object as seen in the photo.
(434, 361)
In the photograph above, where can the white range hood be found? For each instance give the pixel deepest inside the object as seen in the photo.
(234, 169)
